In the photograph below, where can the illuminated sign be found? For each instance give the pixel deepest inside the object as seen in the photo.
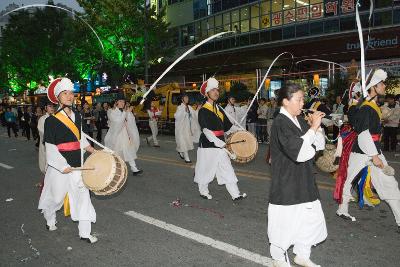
(375, 43)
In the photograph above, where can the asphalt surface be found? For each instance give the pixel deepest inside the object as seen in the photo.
(125, 241)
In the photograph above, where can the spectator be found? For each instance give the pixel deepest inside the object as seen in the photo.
(251, 119)
(390, 116)
(11, 120)
(262, 121)
(88, 120)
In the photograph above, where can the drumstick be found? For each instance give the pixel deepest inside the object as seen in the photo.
(83, 168)
(236, 142)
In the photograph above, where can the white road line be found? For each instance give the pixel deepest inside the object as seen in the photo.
(248, 255)
(5, 166)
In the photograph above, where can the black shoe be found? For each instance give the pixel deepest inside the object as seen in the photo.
(137, 173)
(156, 145)
(180, 155)
(398, 229)
(188, 161)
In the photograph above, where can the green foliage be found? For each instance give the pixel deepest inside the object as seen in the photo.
(238, 90)
(48, 41)
(122, 25)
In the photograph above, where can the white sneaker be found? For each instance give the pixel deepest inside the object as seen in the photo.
(206, 196)
(305, 262)
(91, 239)
(51, 227)
(278, 263)
(345, 216)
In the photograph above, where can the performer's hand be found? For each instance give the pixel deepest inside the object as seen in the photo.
(67, 170)
(130, 108)
(316, 119)
(377, 162)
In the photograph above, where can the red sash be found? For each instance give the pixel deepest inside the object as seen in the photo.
(69, 146)
(218, 133)
(348, 138)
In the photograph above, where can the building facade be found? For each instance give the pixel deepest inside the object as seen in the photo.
(323, 29)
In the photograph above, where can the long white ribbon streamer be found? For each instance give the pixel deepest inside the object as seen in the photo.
(360, 37)
(321, 60)
(179, 59)
(262, 83)
(58, 7)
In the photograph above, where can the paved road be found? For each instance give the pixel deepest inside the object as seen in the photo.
(140, 227)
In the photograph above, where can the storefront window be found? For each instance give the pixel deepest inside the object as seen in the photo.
(265, 7)
(255, 10)
(218, 21)
(254, 38)
(276, 35)
(235, 16)
(347, 24)
(331, 26)
(383, 3)
(265, 36)
(316, 28)
(204, 28)
(383, 18)
(276, 5)
(266, 21)
(289, 32)
(211, 22)
(396, 16)
(227, 18)
(255, 24)
(289, 4)
(302, 30)
(244, 13)
(236, 27)
(316, 9)
(244, 25)
(277, 19)
(289, 16)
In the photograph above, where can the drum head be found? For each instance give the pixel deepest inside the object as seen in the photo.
(104, 165)
(244, 150)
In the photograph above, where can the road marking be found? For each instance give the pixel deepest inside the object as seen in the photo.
(5, 166)
(240, 172)
(231, 249)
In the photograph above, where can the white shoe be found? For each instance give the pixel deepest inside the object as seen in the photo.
(305, 262)
(51, 227)
(240, 197)
(91, 239)
(206, 196)
(278, 263)
(345, 216)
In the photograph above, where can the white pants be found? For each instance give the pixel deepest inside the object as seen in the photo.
(84, 227)
(211, 163)
(386, 186)
(56, 186)
(154, 131)
(301, 250)
(302, 225)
